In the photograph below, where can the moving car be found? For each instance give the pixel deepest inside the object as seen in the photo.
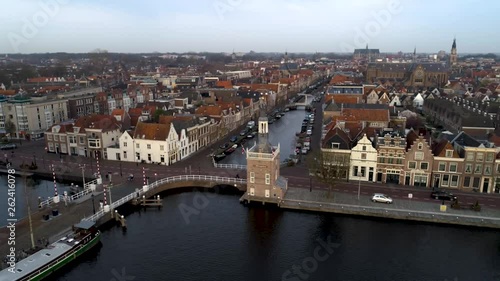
(443, 195)
(381, 198)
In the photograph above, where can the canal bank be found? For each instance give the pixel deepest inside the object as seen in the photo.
(340, 203)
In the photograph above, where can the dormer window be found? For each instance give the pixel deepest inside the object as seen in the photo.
(449, 153)
(335, 145)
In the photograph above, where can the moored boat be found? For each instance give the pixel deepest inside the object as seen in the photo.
(56, 255)
(219, 157)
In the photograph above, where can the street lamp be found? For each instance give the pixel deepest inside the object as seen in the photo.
(34, 159)
(156, 179)
(359, 186)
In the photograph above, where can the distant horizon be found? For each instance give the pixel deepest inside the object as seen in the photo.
(78, 26)
(229, 53)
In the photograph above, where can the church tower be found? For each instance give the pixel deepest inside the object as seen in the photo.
(453, 54)
(264, 182)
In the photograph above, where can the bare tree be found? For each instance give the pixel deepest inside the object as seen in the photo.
(329, 167)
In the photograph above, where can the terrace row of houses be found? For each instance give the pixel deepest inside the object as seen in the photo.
(380, 151)
(170, 139)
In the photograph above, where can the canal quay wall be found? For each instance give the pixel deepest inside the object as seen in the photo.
(405, 209)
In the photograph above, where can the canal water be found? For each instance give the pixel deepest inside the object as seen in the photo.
(204, 236)
(282, 131)
(34, 189)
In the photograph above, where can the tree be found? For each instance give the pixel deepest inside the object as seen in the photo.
(329, 167)
(157, 114)
(10, 128)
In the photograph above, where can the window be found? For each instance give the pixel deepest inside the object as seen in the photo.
(125, 144)
(82, 140)
(149, 157)
(412, 165)
(470, 156)
(363, 156)
(487, 170)
(454, 181)
(419, 156)
(335, 145)
(148, 146)
(475, 182)
(442, 167)
(124, 155)
(420, 146)
(446, 179)
(453, 167)
(364, 147)
(449, 153)
(466, 181)
(355, 171)
(489, 157)
(424, 166)
(268, 178)
(161, 147)
(479, 157)
(252, 177)
(363, 171)
(49, 137)
(136, 145)
(468, 168)
(478, 169)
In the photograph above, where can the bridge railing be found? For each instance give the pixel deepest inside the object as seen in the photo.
(49, 201)
(230, 166)
(86, 190)
(157, 183)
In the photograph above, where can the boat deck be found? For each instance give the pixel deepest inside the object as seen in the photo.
(43, 257)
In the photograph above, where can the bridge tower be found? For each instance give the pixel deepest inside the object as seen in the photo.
(264, 182)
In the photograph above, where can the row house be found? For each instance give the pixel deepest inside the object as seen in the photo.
(148, 143)
(32, 116)
(88, 136)
(363, 160)
(418, 162)
(82, 106)
(226, 119)
(448, 165)
(391, 149)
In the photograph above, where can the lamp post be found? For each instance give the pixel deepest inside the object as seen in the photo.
(310, 183)
(121, 175)
(156, 179)
(359, 187)
(34, 159)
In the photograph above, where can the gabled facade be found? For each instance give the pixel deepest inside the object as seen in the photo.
(363, 161)
(448, 166)
(418, 164)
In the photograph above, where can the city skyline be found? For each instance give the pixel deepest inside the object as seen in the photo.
(226, 25)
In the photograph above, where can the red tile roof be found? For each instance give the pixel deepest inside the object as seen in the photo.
(102, 122)
(225, 84)
(151, 131)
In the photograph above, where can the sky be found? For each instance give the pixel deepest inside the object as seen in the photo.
(131, 26)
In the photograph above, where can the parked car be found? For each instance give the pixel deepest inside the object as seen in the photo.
(304, 150)
(8, 146)
(224, 146)
(381, 198)
(233, 139)
(443, 195)
(309, 132)
(242, 133)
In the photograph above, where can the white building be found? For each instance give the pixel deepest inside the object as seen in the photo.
(364, 161)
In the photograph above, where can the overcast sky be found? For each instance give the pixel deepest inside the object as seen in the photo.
(29, 26)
